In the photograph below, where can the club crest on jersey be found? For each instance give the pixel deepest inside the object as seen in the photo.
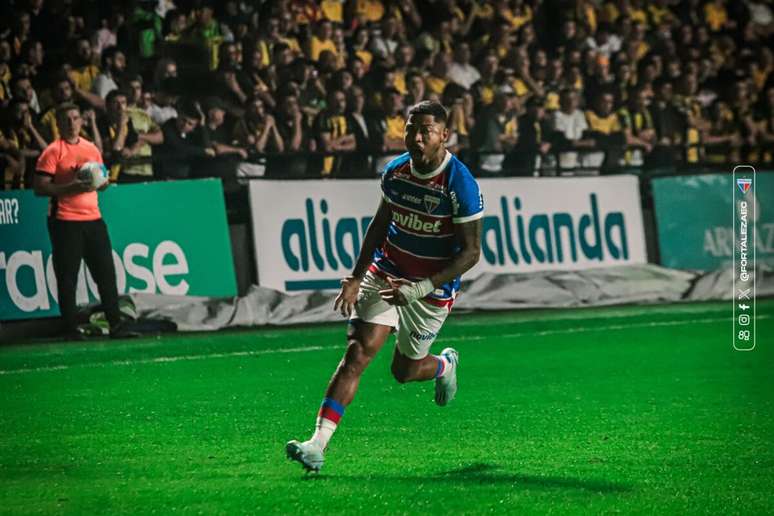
(431, 203)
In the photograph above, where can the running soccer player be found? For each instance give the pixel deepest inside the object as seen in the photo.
(425, 234)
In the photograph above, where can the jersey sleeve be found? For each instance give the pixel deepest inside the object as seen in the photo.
(382, 183)
(467, 200)
(47, 161)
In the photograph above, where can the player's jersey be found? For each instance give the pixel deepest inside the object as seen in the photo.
(425, 207)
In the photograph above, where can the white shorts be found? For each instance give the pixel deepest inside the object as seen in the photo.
(418, 324)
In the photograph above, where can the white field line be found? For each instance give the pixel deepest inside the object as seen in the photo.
(161, 360)
(304, 349)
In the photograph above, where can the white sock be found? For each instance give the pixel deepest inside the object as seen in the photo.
(323, 432)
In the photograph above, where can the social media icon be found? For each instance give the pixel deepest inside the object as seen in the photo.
(744, 320)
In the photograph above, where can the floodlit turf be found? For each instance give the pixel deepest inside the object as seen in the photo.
(627, 409)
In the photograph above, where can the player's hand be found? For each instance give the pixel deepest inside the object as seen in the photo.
(345, 301)
(403, 292)
(393, 295)
(78, 186)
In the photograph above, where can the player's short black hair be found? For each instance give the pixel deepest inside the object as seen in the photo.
(64, 108)
(430, 107)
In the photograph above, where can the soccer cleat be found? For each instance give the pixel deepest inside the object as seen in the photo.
(308, 453)
(446, 386)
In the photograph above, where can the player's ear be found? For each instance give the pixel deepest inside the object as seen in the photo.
(445, 133)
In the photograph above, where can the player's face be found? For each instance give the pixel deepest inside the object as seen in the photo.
(425, 139)
(70, 124)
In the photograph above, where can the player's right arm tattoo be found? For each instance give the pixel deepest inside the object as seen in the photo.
(374, 237)
(469, 237)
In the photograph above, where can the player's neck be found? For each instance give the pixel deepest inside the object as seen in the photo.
(429, 167)
(73, 140)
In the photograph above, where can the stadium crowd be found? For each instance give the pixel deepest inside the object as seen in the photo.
(175, 89)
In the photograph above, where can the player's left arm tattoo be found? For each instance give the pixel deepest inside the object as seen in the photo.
(468, 235)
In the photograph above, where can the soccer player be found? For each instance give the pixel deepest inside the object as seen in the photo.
(425, 234)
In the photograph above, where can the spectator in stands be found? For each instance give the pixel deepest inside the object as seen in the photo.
(162, 107)
(637, 125)
(311, 92)
(32, 55)
(128, 134)
(230, 88)
(84, 71)
(5, 72)
(166, 68)
(496, 131)
(358, 164)
(183, 144)
(462, 120)
(257, 76)
(113, 66)
(606, 131)
(257, 130)
(12, 162)
(568, 128)
(294, 133)
(532, 146)
(21, 88)
(484, 89)
(603, 42)
(388, 127)
(460, 70)
(230, 55)
(688, 103)
(438, 78)
(145, 26)
(360, 48)
(334, 130)
(669, 124)
(107, 36)
(22, 133)
(322, 39)
(415, 85)
(385, 42)
(177, 22)
(217, 134)
(404, 57)
(135, 91)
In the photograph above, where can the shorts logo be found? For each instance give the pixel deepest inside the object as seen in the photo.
(423, 336)
(431, 203)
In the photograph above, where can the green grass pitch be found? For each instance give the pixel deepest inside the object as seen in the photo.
(628, 409)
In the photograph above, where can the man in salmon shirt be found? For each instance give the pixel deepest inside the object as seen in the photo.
(75, 224)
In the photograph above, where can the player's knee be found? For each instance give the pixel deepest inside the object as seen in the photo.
(356, 359)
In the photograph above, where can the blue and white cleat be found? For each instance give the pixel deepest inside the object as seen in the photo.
(446, 386)
(308, 453)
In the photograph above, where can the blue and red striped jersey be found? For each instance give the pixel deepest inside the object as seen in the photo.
(425, 207)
